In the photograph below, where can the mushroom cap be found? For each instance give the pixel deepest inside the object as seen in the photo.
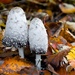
(16, 31)
(38, 38)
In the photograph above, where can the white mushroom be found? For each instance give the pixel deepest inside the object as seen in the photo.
(38, 39)
(16, 31)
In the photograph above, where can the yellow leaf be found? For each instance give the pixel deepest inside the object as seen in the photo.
(73, 50)
(69, 57)
(71, 54)
(2, 24)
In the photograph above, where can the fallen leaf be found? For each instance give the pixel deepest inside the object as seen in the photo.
(71, 26)
(29, 71)
(67, 34)
(12, 65)
(8, 54)
(6, 1)
(72, 63)
(54, 28)
(67, 8)
(69, 68)
(51, 69)
(56, 59)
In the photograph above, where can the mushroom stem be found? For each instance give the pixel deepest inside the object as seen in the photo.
(21, 52)
(38, 61)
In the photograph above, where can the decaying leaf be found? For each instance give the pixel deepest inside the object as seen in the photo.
(51, 69)
(12, 65)
(71, 65)
(67, 8)
(49, 12)
(29, 71)
(59, 40)
(59, 43)
(25, 71)
(54, 27)
(69, 68)
(65, 18)
(71, 26)
(6, 1)
(67, 34)
(12, 74)
(57, 58)
(39, 2)
(1, 37)
(8, 54)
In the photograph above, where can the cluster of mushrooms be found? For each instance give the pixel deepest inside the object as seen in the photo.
(18, 33)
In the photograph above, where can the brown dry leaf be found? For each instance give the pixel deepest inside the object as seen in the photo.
(1, 37)
(58, 43)
(49, 12)
(51, 69)
(6, 1)
(56, 59)
(11, 65)
(53, 28)
(46, 72)
(67, 34)
(25, 71)
(39, 2)
(8, 54)
(65, 18)
(13, 73)
(29, 71)
(1, 45)
(59, 40)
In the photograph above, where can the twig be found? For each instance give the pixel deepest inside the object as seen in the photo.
(36, 2)
(16, 2)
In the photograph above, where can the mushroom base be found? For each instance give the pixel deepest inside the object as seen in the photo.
(38, 61)
(21, 52)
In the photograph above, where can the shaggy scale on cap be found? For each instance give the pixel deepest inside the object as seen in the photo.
(16, 31)
(38, 38)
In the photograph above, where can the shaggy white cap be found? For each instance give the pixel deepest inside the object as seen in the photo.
(38, 38)
(16, 28)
